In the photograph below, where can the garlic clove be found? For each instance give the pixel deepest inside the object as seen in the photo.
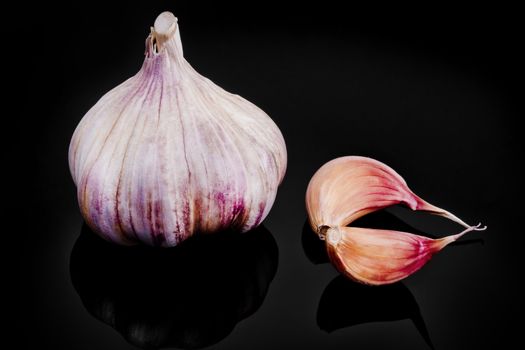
(347, 188)
(379, 257)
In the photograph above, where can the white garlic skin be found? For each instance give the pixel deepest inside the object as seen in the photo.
(168, 153)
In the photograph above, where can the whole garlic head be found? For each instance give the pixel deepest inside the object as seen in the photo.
(168, 153)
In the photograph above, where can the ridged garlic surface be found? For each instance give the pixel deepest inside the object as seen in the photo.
(347, 188)
(168, 153)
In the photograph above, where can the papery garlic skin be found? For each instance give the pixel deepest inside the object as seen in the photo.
(347, 188)
(168, 153)
(377, 257)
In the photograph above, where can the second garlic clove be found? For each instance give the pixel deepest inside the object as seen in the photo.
(377, 257)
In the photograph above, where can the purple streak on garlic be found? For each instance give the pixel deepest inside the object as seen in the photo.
(168, 153)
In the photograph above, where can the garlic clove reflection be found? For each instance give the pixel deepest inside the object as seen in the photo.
(337, 308)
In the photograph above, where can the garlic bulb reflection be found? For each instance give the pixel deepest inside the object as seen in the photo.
(208, 292)
(168, 153)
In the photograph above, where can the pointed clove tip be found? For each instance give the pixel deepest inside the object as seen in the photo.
(478, 227)
(443, 242)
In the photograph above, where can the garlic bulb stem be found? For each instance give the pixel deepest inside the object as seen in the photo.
(164, 28)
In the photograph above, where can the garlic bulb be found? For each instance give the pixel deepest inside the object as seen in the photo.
(347, 188)
(168, 153)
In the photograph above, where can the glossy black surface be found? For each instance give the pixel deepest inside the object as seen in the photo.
(432, 92)
(188, 297)
(345, 303)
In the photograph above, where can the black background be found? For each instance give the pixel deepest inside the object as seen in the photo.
(432, 92)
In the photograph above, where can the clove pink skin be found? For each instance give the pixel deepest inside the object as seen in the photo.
(348, 188)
